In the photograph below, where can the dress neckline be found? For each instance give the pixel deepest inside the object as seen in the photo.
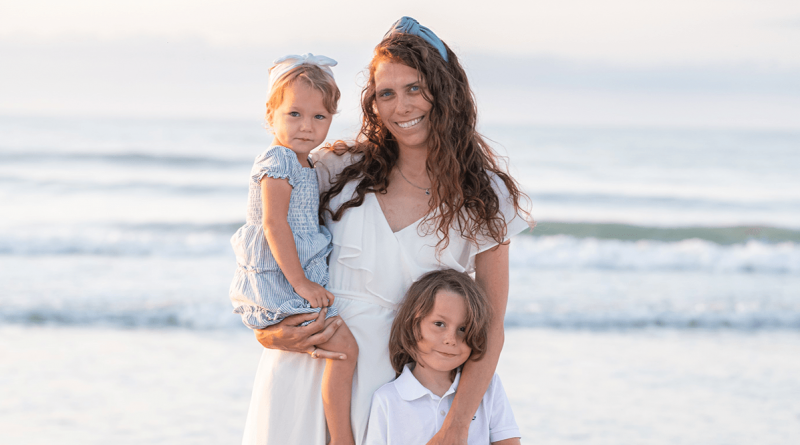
(386, 221)
(308, 158)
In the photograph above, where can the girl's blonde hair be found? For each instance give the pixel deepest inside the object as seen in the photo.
(314, 77)
(418, 303)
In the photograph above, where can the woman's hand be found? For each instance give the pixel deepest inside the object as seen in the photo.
(288, 335)
(315, 294)
(449, 437)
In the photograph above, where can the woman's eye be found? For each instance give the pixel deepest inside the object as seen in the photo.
(414, 88)
(294, 114)
(438, 323)
(385, 94)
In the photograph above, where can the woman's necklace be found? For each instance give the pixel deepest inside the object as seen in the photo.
(426, 190)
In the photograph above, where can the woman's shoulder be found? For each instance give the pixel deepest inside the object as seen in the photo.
(498, 185)
(516, 218)
(508, 210)
(330, 161)
(335, 157)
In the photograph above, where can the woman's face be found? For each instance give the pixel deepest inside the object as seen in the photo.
(401, 105)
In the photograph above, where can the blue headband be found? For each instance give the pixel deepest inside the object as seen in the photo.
(407, 25)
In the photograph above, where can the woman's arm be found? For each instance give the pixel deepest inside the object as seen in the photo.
(512, 441)
(491, 274)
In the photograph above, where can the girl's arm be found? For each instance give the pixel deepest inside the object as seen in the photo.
(276, 195)
(289, 334)
(491, 274)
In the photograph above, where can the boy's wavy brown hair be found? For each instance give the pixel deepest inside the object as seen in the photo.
(460, 163)
(418, 303)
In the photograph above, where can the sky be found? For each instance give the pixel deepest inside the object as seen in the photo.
(693, 63)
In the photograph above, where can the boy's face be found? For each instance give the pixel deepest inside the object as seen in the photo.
(442, 347)
(301, 122)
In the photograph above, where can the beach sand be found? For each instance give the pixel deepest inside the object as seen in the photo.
(168, 386)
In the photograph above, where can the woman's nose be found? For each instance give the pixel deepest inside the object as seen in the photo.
(403, 103)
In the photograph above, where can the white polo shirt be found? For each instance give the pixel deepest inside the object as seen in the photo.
(406, 413)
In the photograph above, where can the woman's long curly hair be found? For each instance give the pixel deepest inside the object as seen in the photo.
(459, 161)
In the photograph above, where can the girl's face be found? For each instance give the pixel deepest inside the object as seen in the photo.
(442, 347)
(301, 122)
(401, 105)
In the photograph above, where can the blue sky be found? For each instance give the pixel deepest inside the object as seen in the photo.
(574, 62)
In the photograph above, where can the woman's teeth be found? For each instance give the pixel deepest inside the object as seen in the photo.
(409, 124)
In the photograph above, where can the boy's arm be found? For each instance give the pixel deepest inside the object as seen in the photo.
(276, 195)
(491, 274)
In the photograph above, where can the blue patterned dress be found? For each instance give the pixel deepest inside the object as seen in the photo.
(260, 292)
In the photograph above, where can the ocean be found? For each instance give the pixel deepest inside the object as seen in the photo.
(114, 239)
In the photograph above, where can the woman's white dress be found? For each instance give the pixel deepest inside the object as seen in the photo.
(371, 268)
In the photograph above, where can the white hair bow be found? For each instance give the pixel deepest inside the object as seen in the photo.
(287, 63)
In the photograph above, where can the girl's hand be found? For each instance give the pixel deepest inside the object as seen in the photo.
(316, 295)
(288, 335)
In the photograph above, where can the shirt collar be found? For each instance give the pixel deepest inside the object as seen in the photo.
(410, 388)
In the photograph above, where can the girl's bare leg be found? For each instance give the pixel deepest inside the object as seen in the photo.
(337, 386)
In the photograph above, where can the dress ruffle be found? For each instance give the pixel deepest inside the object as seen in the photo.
(259, 287)
(386, 261)
(381, 271)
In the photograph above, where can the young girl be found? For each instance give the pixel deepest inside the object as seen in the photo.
(442, 322)
(281, 250)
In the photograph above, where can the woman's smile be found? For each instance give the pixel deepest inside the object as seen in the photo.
(410, 123)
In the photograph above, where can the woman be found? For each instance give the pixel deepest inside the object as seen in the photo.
(420, 190)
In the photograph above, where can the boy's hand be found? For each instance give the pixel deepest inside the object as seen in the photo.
(316, 295)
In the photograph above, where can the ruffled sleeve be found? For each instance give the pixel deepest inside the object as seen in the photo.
(516, 223)
(279, 163)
